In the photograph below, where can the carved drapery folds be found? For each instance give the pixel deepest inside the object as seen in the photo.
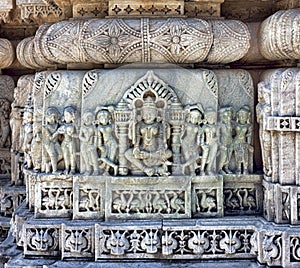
(279, 36)
(144, 40)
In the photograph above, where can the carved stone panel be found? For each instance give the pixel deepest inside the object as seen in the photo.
(53, 196)
(89, 197)
(151, 198)
(207, 196)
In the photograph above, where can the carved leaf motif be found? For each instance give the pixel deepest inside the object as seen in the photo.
(52, 82)
(198, 242)
(230, 243)
(169, 243)
(89, 82)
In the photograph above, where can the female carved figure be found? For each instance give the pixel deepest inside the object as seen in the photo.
(88, 138)
(226, 140)
(149, 137)
(191, 140)
(242, 140)
(28, 136)
(36, 146)
(107, 143)
(4, 123)
(263, 110)
(52, 151)
(68, 146)
(209, 142)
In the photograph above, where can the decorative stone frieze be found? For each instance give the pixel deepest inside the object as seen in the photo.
(174, 40)
(146, 8)
(279, 35)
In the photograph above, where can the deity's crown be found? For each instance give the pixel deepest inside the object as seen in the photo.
(149, 103)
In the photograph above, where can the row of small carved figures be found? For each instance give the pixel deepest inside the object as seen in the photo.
(149, 139)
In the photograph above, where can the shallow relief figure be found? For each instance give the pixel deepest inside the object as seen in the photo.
(150, 136)
(28, 132)
(5, 140)
(209, 142)
(88, 138)
(225, 140)
(68, 145)
(106, 141)
(263, 110)
(242, 141)
(52, 152)
(190, 140)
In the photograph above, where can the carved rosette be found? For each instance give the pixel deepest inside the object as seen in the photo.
(173, 40)
(279, 36)
(7, 53)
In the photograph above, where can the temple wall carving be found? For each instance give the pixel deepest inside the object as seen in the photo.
(109, 151)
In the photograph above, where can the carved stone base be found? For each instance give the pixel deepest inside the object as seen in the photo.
(207, 239)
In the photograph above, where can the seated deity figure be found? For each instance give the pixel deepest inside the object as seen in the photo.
(190, 141)
(209, 142)
(149, 137)
(242, 141)
(88, 138)
(107, 143)
(68, 145)
(4, 123)
(52, 150)
(226, 140)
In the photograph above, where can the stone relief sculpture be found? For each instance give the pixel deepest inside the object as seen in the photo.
(149, 137)
(88, 138)
(191, 139)
(226, 139)
(242, 141)
(263, 110)
(107, 143)
(52, 152)
(5, 140)
(68, 147)
(209, 142)
(28, 132)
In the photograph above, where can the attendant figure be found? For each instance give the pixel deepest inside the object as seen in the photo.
(209, 142)
(107, 143)
(88, 138)
(226, 140)
(68, 145)
(52, 150)
(242, 140)
(190, 145)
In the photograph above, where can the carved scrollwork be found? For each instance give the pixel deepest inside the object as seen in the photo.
(42, 239)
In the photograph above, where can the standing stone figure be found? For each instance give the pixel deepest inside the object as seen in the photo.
(263, 110)
(242, 141)
(209, 142)
(52, 150)
(190, 145)
(226, 140)
(88, 138)
(36, 147)
(68, 145)
(107, 144)
(149, 138)
(4, 123)
(28, 132)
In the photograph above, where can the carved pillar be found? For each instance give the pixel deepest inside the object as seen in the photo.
(279, 111)
(122, 117)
